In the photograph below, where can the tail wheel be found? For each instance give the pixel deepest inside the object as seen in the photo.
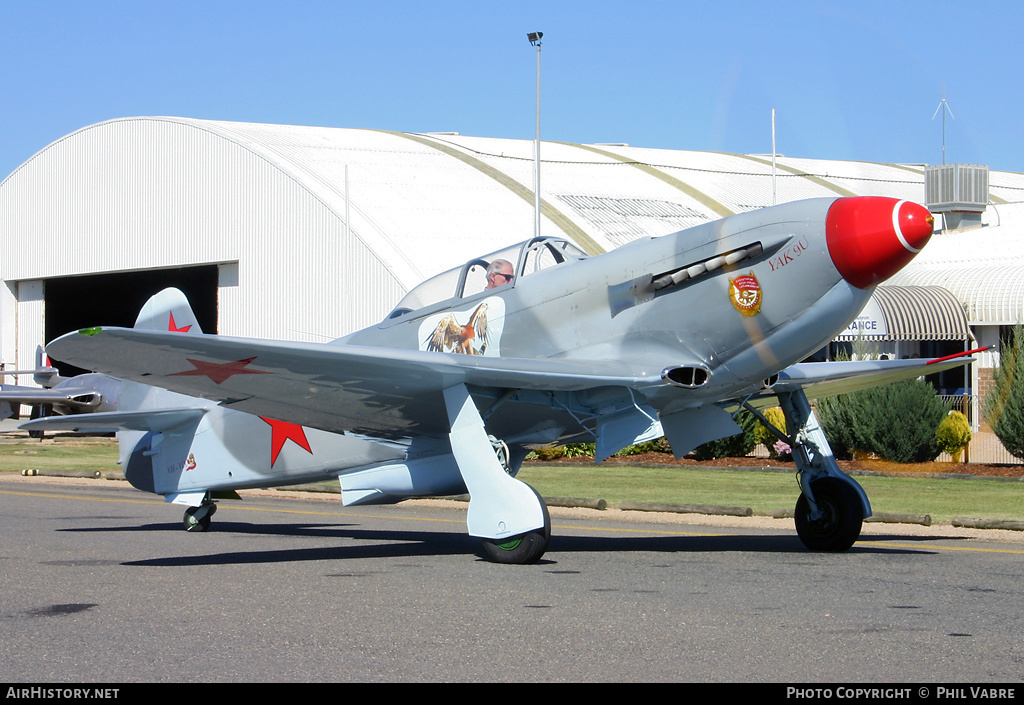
(198, 518)
(522, 548)
(841, 518)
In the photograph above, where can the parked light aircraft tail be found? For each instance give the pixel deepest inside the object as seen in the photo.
(665, 336)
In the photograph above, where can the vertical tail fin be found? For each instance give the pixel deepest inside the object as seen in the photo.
(168, 310)
(44, 374)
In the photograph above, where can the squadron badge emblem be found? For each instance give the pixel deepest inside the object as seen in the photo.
(745, 294)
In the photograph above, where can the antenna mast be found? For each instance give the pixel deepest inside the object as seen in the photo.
(943, 104)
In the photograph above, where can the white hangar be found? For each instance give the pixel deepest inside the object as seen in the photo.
(308, 233)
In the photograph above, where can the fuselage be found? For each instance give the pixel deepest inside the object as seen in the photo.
(703, 314)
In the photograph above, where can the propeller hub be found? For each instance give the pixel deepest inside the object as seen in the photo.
(870, 238)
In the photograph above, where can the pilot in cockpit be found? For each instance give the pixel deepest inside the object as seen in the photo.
(499, 273)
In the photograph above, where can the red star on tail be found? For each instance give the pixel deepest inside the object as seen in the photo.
(174, 328)
(282, 431)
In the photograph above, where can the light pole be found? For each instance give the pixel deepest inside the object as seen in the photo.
(535, 38)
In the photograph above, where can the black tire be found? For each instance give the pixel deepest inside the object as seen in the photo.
(201, 522)
(841, 520)
(522, 548)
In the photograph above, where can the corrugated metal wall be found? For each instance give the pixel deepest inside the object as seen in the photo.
(146, 193)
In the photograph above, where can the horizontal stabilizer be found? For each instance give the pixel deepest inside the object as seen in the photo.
(34, 371)
(158, 420)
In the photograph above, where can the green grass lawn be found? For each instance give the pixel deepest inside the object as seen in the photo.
(18, 453)
(763, 492)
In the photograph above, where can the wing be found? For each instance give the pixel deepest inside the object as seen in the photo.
(823, 379)
(334, 387)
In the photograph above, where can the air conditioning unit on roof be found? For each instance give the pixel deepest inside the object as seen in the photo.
(957, 191)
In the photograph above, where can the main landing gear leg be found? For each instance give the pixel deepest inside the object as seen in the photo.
(506, 513)
(831, 506)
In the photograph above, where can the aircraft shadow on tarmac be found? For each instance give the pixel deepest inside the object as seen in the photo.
(377, 543)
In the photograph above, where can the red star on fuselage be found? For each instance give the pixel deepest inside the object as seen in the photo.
(282, 431)
(219, 371)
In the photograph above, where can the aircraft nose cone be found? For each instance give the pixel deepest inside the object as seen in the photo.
(870, 238)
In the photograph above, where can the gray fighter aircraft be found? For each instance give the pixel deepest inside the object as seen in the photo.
(664, 336)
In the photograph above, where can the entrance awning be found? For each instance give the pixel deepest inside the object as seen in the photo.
(910, 313)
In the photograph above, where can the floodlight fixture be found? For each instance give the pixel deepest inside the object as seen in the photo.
(534, 37)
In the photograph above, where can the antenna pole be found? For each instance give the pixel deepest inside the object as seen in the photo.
(944, 107)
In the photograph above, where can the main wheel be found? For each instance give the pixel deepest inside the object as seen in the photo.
(841, 516)
(523, 548)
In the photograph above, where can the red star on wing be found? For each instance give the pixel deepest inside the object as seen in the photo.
(219, 371)
(282, 431)
(174, 328)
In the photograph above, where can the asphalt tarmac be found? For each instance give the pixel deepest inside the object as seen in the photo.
(101, 584)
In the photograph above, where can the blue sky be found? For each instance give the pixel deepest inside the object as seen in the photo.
(848, 80)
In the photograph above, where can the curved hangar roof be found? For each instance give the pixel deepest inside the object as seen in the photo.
(304, 221)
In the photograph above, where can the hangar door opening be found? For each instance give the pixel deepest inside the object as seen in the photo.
(115, 299)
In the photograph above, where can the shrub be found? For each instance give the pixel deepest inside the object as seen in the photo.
(953, 434)
(586, 450)
(835, 416)
(546, 453)
(896, 422)
(658, 445)
(579, 450)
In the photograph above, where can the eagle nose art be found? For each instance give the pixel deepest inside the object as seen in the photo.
(870, 238)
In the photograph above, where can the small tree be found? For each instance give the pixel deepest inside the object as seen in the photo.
(953, 434)
(1004, 405)
(762, 436)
